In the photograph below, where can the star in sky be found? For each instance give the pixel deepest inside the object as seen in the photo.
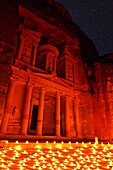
(95, 18)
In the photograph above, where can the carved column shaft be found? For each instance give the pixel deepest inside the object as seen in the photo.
(92, 118)
(76, 73)
(74, 77)
(67, 116)
(26, 110)
(104, 130)
(34, 54)
(77, 118)
(57, 115)
(67, 71)
(20, 48)
(40, 112)
(9, 99)
(46, 63)
(55, 64)
(110, 99)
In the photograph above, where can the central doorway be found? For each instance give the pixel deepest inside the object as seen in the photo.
(34, 117)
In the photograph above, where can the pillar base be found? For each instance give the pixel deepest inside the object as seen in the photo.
(24, 127)
(58, 135)
(67, 135)
(4, 124)
(38, 134)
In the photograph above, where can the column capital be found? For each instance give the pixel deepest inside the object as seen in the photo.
(35, 44)
(55, 58)
(42, 90)
(77, 99)
(21, 36)
(29, 85)
(13, 80)
(67, 96)
(58, 94)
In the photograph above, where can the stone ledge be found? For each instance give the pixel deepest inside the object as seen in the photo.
(13, 138)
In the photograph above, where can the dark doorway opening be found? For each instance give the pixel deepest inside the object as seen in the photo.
(34, 117)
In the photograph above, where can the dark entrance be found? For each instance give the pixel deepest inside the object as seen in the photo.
(34, 117)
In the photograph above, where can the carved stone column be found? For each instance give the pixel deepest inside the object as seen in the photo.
(76, 73)
(77, 118)
(7, 109)
(67, 116)
(20, 48)
(26, 109)
(110, 99)
(55, 59)
(46, 67)
(92, 118)
(34, 54)
(74, 77)
(57, 125)
(40, 113)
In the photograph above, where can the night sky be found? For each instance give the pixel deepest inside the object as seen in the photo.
(95, 18)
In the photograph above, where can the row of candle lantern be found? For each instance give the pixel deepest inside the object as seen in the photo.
(56, 155)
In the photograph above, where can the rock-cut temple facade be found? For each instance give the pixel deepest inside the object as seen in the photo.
(52, 81)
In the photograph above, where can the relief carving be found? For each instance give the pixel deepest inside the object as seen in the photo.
(91, 79)
(3, 89)
(14, 112)
(6, 54)
(50, 66)
(27, 52)
(70, 72)
(109, 84)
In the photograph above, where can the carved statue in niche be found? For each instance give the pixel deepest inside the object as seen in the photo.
(14, 112)
(50, 69)
(91, 79)
(50, 63)
(27, 51)
(109, 84)
(70, 72)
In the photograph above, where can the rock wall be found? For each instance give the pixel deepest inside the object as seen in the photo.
(8, 26)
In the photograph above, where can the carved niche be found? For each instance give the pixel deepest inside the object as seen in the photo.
(46, 58)
(26, 38)
(66, 66)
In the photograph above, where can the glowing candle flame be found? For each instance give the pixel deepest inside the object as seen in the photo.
(96, 141)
